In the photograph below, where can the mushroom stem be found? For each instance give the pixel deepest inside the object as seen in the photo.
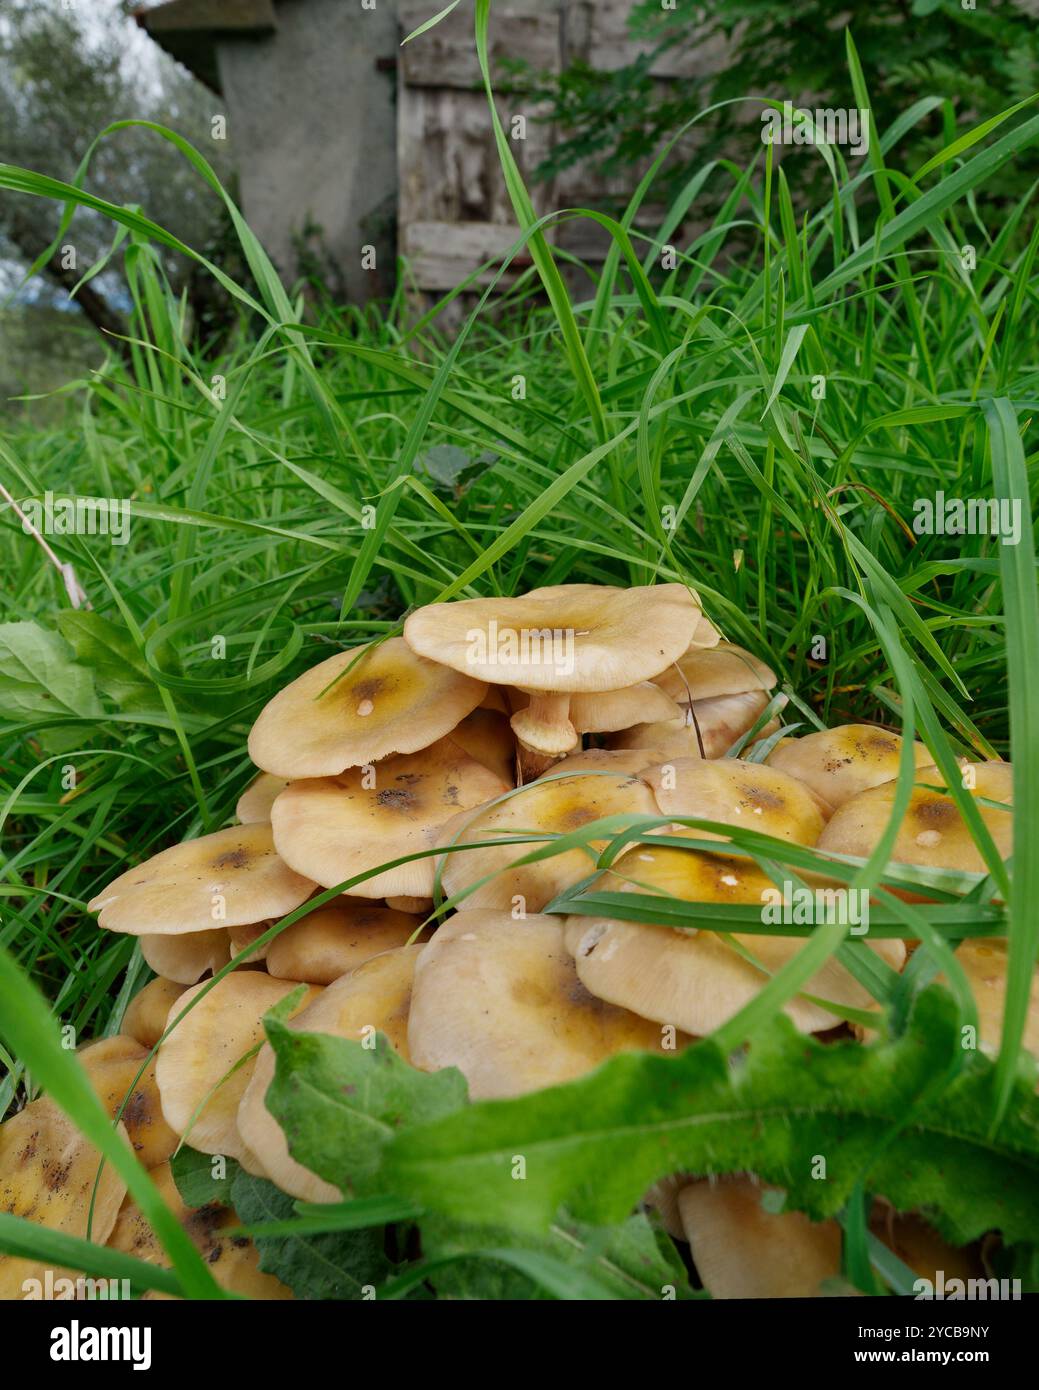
(544, 731)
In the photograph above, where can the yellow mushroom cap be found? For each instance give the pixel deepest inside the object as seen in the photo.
(608, 637)
(254, 804)
(486, 736)
(47, 1175)
(933, 832)
(332, 940)
(985, 961)
(743, 1251)
(499, 999)
(338, 827)
(555, 806)
(704, 674)
(715, 723)
(233, 1259)
(203, 1048)
(693, 978)
(147, 1011)
(739, 794)
(603, 712)
(187, 957)
(229, 879)
(374, 998)
(112, 1065)
(392, 701)
(839, 763)
(624, 762)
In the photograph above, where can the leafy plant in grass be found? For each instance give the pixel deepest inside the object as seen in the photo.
(790, 512)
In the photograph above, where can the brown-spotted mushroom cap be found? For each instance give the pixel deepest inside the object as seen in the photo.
(199, 1104)
(254, 804)
(338, 827)
(233, 1260)
(187, 957)
(693, 978)
(933, 832)
(714, 724)
(554, 806)
(231, 878)
(499, 999)
(47, 1175)
(332, 940)
(393, 700)
(743, 1251)
(839, 763)
(147, 1011)
(374, 998)
(112, 1065)
(737, 793)
(558, 641)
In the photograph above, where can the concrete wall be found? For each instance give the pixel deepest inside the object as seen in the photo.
(313, 122)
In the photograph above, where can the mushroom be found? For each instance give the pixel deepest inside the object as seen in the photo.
(332, 940)
(984, 960)
(338, 827)
(604, 712)
(254, 804)
(693, 978)
(47, 1176)
(556, 642)
(200, 1105)
(233, 1259)
(554, 806)
(933, 832)
(839, 763)
(112, 1065)
(392, 701)
(187, 957)
(242, 938)
(743, 1251)
(499, 999)
(486, 736)
(146, 1013)
(625, 762)
(232, 878)
(372, 999)
(738, 794)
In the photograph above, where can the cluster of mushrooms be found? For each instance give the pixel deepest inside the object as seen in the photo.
(483, 723)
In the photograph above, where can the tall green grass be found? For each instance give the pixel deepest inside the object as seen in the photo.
(310, 486)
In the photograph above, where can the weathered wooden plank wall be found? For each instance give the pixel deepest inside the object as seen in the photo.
(454, 211)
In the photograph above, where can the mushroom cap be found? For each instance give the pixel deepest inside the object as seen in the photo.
(984, 960)
(624, 762)
(231, 878)
(187, 957)
(619, 636)
(720, 720)
(604, 712)
(554, 806)
(112, 1065)
(202, 1049)
(706, 673)
(375, 995)
(706, 634)
(839, 763)
(499, 999)
(694, 979)
(933, 832)
(233, 1260)
(739, 794)
(921, 1247)
(332, 940)
(47, 1175)
(243, 937)
(337, 827)
(254, 804)
(393, 701)
(743, 1251)
(485, 735)
(147, 1011)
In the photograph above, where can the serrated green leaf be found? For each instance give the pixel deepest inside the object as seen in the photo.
(595, 1145)
(39, 675)
(199, 1180)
